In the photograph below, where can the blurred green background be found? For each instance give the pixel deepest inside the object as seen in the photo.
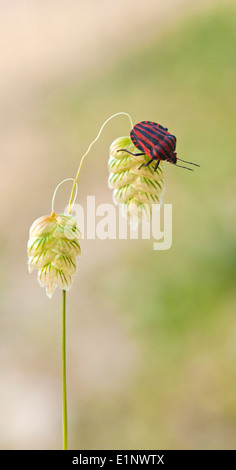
(151, 336)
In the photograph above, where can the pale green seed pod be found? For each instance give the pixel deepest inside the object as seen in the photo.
(134, 187)
(52, 249)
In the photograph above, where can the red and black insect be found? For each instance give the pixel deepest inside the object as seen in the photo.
(155, 141)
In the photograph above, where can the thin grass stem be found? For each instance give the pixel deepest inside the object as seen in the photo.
(64, 394)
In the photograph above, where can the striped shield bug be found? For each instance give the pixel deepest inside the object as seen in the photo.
(154, 140)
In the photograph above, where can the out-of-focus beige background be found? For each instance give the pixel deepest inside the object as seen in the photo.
(150, 335)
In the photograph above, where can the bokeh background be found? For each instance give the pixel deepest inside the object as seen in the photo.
(151, 336)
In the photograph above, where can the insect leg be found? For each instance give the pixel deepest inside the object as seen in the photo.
(134, 154)
(145, 164)
(156, 166)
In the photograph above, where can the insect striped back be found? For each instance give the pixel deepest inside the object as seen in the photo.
(154, 140)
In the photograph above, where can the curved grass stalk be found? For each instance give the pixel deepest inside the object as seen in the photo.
(70, 206)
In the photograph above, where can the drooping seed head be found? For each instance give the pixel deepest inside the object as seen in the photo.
(134, 187)
(52, 249)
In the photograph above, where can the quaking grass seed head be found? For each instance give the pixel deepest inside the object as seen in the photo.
(134, 187)
(52, 249)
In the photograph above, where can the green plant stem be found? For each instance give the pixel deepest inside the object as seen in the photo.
(64, 397)
(86, 153)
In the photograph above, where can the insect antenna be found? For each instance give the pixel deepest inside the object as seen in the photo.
(195, 164)
(186, 168)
